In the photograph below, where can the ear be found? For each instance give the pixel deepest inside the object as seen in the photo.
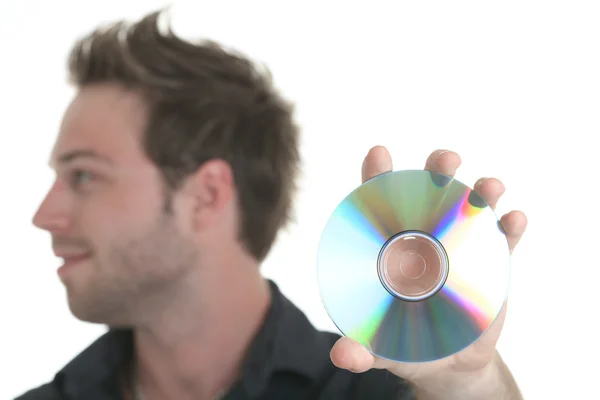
(211, 188)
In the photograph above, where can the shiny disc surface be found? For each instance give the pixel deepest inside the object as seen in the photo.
(465, 303)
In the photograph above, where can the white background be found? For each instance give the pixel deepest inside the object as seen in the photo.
(513, 86)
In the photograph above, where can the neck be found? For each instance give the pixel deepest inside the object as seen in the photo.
(195, 347)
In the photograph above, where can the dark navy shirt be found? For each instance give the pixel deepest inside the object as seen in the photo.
(288, 360)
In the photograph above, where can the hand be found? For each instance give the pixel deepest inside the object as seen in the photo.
(350, 355)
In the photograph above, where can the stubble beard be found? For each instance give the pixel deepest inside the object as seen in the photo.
(138, 278)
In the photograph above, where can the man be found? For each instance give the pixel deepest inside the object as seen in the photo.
(175, 169)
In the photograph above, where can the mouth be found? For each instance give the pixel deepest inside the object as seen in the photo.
(71, 261)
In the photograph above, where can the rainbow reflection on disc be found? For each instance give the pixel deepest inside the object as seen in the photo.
(449, 286)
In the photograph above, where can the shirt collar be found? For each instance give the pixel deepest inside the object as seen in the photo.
(286, 342)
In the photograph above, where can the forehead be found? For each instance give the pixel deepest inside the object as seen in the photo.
(102, 119)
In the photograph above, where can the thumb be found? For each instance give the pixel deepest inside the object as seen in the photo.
(351, 355)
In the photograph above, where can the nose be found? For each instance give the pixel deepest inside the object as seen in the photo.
(52, 215)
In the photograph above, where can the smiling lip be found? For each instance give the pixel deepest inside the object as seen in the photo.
(70, 261)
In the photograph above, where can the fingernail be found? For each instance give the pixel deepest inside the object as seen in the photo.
(479, 182)
(439, 156)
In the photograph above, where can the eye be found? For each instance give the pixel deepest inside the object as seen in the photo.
(79, 177)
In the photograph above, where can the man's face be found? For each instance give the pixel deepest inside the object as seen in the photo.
(106, 211)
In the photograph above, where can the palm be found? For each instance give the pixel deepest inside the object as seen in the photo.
(473, 358)
(350, 355)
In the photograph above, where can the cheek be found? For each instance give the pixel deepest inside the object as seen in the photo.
(132, 201)
(126, 201)
(104, 219)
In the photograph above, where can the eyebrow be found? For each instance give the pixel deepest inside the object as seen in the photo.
(75, 154)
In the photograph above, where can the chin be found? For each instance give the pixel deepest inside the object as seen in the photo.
(96, 312)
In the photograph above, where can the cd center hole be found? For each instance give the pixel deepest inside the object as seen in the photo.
(412, 265)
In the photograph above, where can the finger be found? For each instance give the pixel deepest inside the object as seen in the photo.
(490, 190)
(445, 162)
(378, 161)
(350, 355)
(514, 224)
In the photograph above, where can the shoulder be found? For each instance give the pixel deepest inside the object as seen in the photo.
(300, 361)
(46, 391)
(91, 369)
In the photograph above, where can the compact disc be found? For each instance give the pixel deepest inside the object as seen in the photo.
(414, 265)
